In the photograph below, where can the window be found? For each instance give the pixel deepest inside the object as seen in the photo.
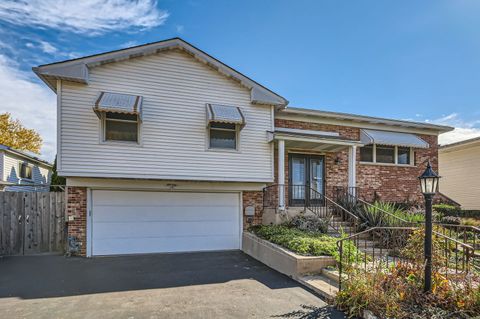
(121, 127)
(223, 136)
(403, 155)
(366, 153)
(383, 154)
(25, 171)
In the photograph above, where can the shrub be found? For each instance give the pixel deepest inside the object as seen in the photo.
(446, 210)
(374, 216)
(310, 223)
(397, 292)
(302, 242)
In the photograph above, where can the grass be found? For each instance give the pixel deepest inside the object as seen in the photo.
(301, 242)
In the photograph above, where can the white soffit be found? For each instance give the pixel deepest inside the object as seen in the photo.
(392, 138)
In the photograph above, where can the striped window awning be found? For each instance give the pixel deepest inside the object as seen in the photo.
(392, 138)
(118, 103)
(225, 114)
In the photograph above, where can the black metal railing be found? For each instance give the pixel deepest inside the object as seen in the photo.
(369, 251)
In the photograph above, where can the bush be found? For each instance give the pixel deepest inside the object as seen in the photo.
(446, 210)
(310, 223)
(302, 242)
(397, 291)
(375, 216)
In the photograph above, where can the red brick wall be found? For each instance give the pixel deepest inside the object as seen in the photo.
(252, 198)
(77, 208)
(388, 183)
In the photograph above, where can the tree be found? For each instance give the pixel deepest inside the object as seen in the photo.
(56, 180)
(14, 134)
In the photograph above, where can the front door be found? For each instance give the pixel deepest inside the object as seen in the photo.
(306, 179)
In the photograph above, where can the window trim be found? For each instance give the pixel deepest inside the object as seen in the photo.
(103, 130)
(20, 171)
(374, 158)
(221, 149)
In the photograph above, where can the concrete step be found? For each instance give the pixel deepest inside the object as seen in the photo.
(378, 252)
(331, 274)
(322, 285)
(364, 243)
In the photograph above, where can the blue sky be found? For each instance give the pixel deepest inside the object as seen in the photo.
(417, 60)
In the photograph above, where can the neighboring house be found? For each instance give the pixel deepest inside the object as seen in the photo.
(460, 169)
(167, 149)
(23, 172)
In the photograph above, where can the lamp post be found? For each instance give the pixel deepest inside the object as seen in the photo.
(429, 186)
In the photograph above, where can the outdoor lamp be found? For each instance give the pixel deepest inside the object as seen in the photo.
(429, 186)
(429, 181)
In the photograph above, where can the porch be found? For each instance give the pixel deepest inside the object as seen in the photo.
(310, 167)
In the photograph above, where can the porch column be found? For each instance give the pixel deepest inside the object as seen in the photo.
(352, 163)
(281, 174)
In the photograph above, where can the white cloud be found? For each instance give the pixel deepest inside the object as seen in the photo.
(47, 47)
(464, 130)
(89, 17)
(128, 44)
(180, 28)
(32, 103)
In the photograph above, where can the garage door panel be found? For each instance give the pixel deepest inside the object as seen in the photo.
(139, 230)
(130, 222)
(163, 198)
(176, 244)
(162, 213)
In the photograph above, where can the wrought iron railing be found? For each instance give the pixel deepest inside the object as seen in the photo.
(369, 251)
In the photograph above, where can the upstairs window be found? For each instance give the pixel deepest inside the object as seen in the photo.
(25, 171)
(223, 136)
(383, 154)
(120, 127)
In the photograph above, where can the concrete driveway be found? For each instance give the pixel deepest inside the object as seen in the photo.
(193, 285)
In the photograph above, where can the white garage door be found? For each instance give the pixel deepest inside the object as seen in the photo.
(131, 222)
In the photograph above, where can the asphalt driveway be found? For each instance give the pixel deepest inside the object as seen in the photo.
(193, 285)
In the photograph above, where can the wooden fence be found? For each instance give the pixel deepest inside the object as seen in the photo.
(32, 222)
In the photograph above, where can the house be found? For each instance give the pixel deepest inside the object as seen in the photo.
(21, 168)
(168, 149)
(460, 167)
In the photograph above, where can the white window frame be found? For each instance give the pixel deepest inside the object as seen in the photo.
(20, 171)
(103, 129)
(374, 158)
(220, 149)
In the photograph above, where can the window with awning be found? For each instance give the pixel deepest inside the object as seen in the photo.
(223, 124)
(120, 115)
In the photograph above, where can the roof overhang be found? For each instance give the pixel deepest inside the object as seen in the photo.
(362, 120)
(77, 70)
(317, 143)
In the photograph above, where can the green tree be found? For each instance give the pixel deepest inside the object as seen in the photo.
(15, 135)
(56, 180)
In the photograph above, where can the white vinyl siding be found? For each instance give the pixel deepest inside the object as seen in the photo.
(11, 173)
(460, 171)
(175, 89)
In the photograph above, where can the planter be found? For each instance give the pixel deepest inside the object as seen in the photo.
(283, 260)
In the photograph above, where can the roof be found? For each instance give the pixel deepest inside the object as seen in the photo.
(24, 155)
(392, 138)
(464, 143)
(77, 70)
(365, 119)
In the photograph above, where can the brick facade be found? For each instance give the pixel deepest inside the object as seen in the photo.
(77, 209)
(375, 181)
(252, 198)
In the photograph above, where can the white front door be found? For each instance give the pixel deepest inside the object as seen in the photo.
(132, 222)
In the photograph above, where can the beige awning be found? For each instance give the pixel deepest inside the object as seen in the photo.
(118, 103)
(225, 114)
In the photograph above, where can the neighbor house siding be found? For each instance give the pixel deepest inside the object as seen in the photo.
(175, 88)
(460, 171)
(11, 171)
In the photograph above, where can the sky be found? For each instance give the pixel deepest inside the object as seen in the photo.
(410, 60)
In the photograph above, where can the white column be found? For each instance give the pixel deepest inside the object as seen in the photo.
(281, 174)
(352, 165)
